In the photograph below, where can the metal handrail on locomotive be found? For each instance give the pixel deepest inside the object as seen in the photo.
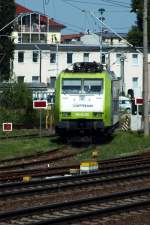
(86, 99)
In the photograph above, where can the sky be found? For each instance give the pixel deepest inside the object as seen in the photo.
(82, 15)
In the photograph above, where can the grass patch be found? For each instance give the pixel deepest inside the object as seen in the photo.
(122, 144)
(21, 147)
(18, 132)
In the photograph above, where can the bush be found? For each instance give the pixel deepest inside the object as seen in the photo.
(16, 106)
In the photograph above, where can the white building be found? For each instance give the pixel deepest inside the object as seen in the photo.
(39, 56)
(41, 63)
(107, 38)
(34, 27)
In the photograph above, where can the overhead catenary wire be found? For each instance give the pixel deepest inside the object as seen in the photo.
(111, 3)
(111, 29)
(44, 10)
(73, 26)
(119, 3)
(69, 2)
(118, 35)
(54, 8)
(87, 22)
(75, 5)
(114, 2)
(47, 2)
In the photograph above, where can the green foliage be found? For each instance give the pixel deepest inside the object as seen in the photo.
(22, 147)
(135, 35)
(122, 144)
(17, 107)
(7, 14)
(18, 96)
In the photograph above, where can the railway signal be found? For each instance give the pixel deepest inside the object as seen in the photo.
(40, 104)
(139, 101)
(7, 126)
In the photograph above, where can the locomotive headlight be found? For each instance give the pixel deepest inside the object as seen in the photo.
(97, 114)
(66, 114)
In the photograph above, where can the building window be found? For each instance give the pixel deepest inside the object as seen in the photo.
(135, 82)
(86, 57)
(52, 82)
(69, 57)
(118, 56)
(103, 58)
(135, 59)
(20, 57)
(19, 38)
(111, 41)
(35, 78)
(35, 56)
(52, 57)
(54, 38)
(20, 79)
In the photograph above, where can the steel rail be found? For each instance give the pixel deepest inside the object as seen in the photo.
(65, 168)
(61, 183)
(30, 157)
(74, 210)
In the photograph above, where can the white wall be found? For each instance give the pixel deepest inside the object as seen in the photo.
(131, 71)
(29, 68)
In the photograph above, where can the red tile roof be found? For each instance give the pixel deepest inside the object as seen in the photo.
(70, 37)
(22, 9)
(52, 22)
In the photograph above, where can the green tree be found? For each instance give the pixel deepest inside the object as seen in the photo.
(18, 96)
(135, 35)
(16, 105)
(7, 14)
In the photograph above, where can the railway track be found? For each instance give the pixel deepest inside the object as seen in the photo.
(28, 136)
(50, 168)
(49, 157)
(39, 156)
(29, 159)
(114, 175)
(56, 184)
(83, 209)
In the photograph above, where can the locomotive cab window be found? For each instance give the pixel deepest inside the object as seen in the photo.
(71, 86)
(93, 86)
(82, 86)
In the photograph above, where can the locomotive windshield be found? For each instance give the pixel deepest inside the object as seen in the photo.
(82, 86)
(92, 86)
(71, 86)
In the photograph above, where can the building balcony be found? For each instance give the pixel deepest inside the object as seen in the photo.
(32, 38)
(35, 28)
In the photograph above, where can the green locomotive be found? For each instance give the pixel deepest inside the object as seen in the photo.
(86, 100)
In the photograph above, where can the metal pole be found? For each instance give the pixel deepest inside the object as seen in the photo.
(122, 58)
(145, 69)
(12, 21)
(40, 65)
(39, 30)
(21, 30)
(101, 10)
(40, 122)
(57, 57)
(30, 27)
(101, 40)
